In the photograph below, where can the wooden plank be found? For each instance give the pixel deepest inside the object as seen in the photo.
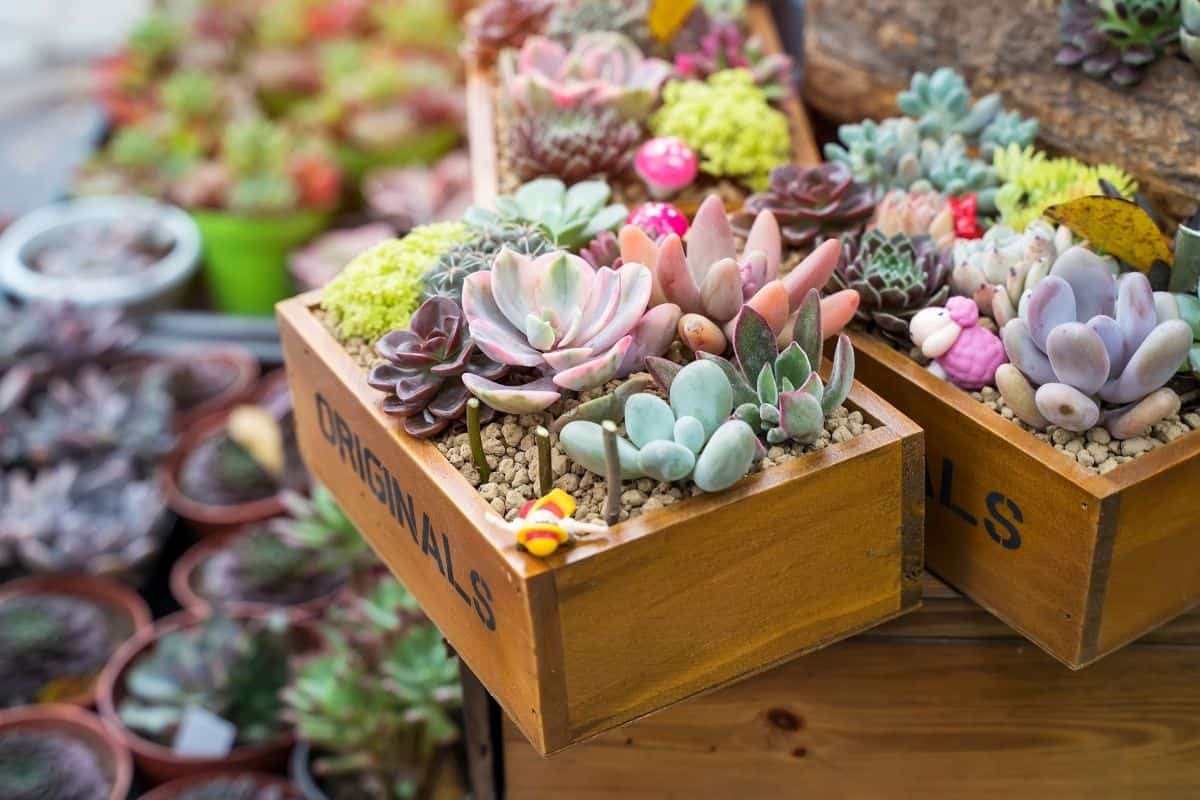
(894, 719)
(858, 55)
(479, 739)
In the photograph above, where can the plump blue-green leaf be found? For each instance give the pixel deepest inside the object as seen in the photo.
(606, 219)
(801, 416)
(748, 413)
(792, 367)
(768, 390)
(753, 342)
(841, 377)
(540, 197)
(743, 392)
(587, 196)
(807, 331)
(814, 386)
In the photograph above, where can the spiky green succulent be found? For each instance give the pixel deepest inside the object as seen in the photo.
(895, 277)
(569, 218)
(445, 278)
(573, 144)
(1116, 39)
(1033, 181)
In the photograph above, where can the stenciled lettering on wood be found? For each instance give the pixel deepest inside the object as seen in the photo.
(1003, 514)
(390, 494)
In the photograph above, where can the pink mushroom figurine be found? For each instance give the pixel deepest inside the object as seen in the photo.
(659, 219)
(666, 164)
(962, 352)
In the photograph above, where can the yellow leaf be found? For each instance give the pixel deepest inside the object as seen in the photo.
(1116, 226)
(667, 15)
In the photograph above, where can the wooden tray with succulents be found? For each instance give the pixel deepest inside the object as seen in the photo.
(1059, 475)
(600, 524)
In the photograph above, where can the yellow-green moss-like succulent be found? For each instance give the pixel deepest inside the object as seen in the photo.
(730, 122)
(380, 289)
(1031, 182)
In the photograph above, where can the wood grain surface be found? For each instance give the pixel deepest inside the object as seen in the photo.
(858, 55)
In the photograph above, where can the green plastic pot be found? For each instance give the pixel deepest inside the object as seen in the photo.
(245, 258)
(421, 149)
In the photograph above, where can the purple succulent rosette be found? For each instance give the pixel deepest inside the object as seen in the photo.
(424, 366)
(810, 204)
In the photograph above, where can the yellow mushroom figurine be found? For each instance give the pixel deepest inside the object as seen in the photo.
(545, 524)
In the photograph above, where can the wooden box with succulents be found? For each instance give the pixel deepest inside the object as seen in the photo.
(1110, 80)
(602, 463)
(1059, 446)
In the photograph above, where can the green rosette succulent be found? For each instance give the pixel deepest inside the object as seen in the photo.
(568, 217)
(895, 277)
(1033, 181)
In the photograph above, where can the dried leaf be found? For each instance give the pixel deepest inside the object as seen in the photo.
(666, 16)
(1116, 226)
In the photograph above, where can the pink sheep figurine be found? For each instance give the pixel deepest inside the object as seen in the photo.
(962, 352)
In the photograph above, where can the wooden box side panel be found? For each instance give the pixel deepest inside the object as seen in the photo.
(728, 588)
(421, 532)
(1003, 525)
(892, 718)
(1154, 573)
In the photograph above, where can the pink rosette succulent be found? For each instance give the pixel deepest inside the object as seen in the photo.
(580, 326)
(711, 282)
(666, 164)
(602, 68)
(659, 219)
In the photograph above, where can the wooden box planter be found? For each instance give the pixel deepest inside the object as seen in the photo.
(482, 114)
(668, 604)
(858, 55)
(942, 704)
(1080, 563)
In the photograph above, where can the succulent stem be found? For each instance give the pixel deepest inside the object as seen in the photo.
(545, 470)
(476, 439)
(612, 473)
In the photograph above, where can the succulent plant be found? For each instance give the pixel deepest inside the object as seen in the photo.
(573, 144)
(378, 700)
(234, 787)
(424, 366)
(997, 269)
(406, 197)
(380, 289)
(692, 437)
(912, 213)
(1116, 39)
(811, 204)
(51, 646)
(569, 218)
(604, 69)
(729, 121)
(895, 277)
(580, 326)
(309, 553)
(496, 25)
(1189, 30)
(100, 520)
(37, 764)
(319, 261)
(780, 394)
(1007, 128)
(571, 19)
(941, 104)
(233, 668)
(1086, 340)
(1032, 182)
(191, 94)
(445, 278)
(712, 282)
(724, 45)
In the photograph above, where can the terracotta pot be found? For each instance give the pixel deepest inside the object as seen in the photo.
(209, 519)
(237, 360)
(158, 762)
(175, 788)
(85, 726)
(185, 574)
(115, 598)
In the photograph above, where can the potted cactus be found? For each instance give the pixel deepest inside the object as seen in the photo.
(231, 469)
(301, 561)
(58, 632)
(201, 695)
(62, 752)
(376, 708)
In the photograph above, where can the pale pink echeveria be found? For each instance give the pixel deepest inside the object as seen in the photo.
(602, 68)
(580, 326)
(712, 281)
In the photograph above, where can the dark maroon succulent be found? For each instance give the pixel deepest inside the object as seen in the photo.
(423, 368)
(812, 204)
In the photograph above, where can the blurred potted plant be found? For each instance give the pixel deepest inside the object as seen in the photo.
(231, 470)
(193, 696)
(209, 380)
(61, 752)
(226, 786)
(315, 264)
(57, 632)
(301, 562)
(374, 708)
